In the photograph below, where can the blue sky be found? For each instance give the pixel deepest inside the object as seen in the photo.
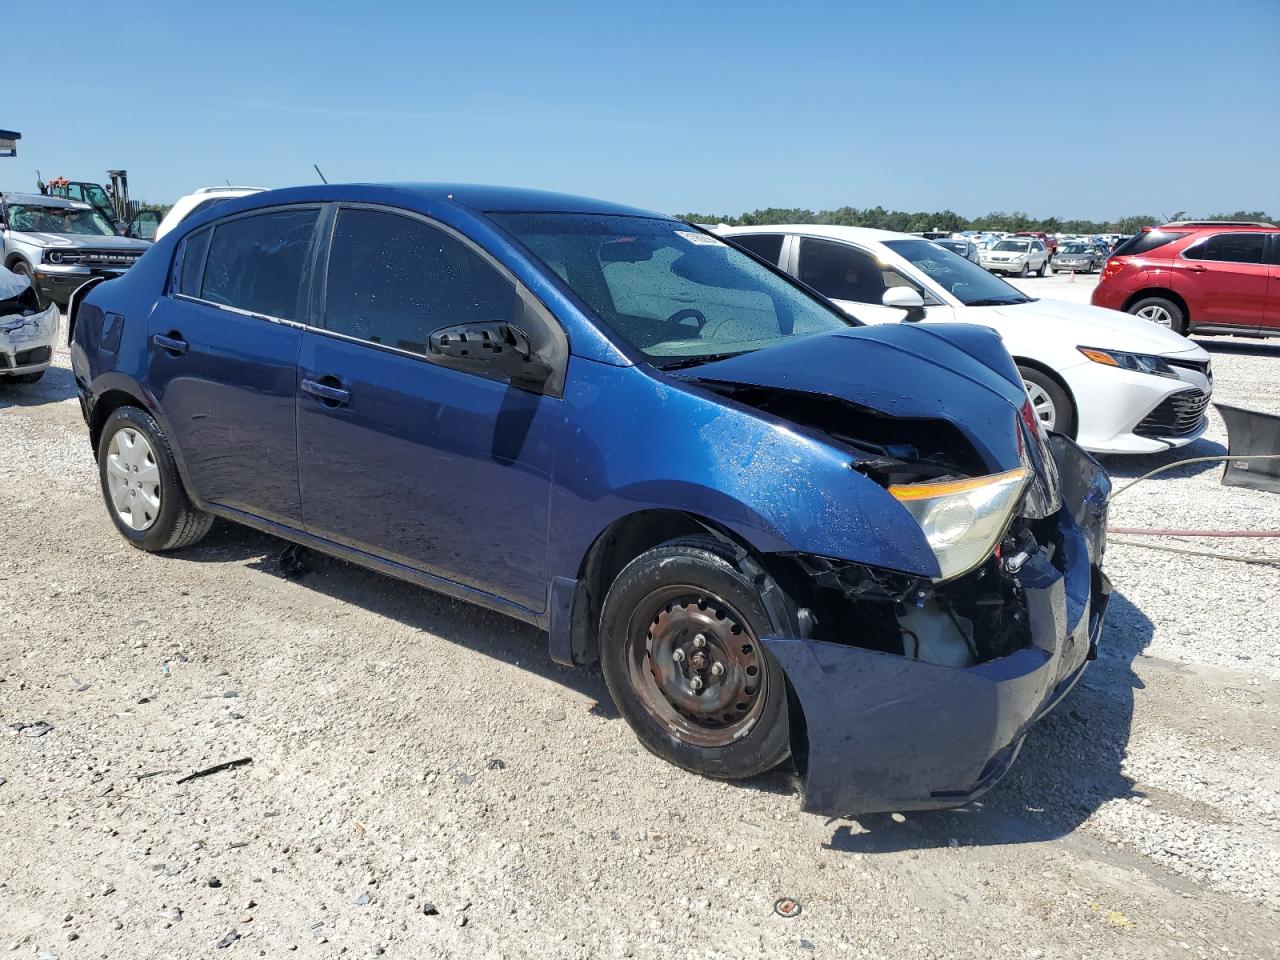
(1079, 109)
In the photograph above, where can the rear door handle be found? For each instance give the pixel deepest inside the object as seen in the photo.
(173, 344)
(326, 390)
(1196, 268)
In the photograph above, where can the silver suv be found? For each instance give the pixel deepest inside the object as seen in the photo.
(60, 243)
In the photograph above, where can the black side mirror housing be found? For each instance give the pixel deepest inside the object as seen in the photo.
(493, 349)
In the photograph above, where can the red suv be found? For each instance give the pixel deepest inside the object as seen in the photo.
(1198, 277)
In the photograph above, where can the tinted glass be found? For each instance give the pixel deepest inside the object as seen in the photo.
(767, 246)
(1229, 247)
(1012, 246)
(194, 248)
(840, 272)
(393, 280)
(256, 263)
(959, 276)
(673, 293)
(1148, 240)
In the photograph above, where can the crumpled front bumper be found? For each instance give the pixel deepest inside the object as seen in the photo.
(26, 343)
(887, 733)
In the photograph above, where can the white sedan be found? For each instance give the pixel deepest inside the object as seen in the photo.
(1114, 382)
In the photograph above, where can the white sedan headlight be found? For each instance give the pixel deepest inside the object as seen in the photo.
(963, 520)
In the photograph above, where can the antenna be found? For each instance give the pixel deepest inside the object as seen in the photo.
(319, 174)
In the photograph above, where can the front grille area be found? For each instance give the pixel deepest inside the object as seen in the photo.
(36, 355)
(1179, 415)
(1200, 366)
(107, 258)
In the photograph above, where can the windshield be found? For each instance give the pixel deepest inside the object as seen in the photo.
(1014, 246)
(31, 219)
(677, 295)
(1074, 248)
(959, 276)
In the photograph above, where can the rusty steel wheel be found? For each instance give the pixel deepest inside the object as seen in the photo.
(696, 667)
(680, 649)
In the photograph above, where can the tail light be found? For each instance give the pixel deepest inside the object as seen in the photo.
(1113, 266)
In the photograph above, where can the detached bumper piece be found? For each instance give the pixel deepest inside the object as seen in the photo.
(888, 733)
(1251, 434)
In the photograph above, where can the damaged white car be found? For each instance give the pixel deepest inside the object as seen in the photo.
(27, 330)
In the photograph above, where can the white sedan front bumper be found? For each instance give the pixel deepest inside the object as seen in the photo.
(1143, 413)
(26, 343)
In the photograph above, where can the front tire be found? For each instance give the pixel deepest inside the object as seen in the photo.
(1052, 405)
(1025, 270)
(680, 648)
(141, 486)
(1161, 311)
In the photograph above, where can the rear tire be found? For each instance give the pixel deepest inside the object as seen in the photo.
(1161, 311)
(1052, 405)
(734, 723)
(1044, 268)
(141, 486)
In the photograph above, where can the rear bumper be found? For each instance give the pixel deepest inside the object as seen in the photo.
(888, 733)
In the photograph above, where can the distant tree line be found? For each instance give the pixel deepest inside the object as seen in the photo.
(906, 222)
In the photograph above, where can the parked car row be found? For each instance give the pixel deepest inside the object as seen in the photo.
(858, 538)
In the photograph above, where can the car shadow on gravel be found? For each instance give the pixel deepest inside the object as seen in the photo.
(56, 385)
(1069, 765)
(456, 621)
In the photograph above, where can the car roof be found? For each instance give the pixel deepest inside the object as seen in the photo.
(835, 232)
(485, 198)
(1230, 226)
(39, 200)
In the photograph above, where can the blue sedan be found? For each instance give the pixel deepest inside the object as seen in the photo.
(782, 534)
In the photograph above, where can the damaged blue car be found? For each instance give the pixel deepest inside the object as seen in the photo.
(783, 535)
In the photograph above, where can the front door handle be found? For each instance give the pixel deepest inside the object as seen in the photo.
(1196, 268)
(327, 391)
(171, 343)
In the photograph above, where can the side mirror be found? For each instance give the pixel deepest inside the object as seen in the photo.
(905, 298)
(492, 349)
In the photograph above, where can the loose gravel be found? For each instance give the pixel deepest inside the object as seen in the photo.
(425, 783)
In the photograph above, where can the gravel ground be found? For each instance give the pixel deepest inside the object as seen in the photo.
(425, 783)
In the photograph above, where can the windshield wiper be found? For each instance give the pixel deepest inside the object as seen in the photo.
(998, 301)
(679, 363)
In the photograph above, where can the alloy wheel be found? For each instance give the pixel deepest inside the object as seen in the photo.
(696, 666)
(1156, 314)
(1045, 409)
(133, 479)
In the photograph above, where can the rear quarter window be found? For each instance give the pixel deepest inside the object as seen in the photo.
(1147, 241)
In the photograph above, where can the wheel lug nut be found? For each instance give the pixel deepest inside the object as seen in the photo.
(696, 683)
(678, 656)
(700, 641)
(717, 669)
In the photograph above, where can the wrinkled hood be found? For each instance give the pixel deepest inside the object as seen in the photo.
(123, 244)
(954, 372)
(1109, 329)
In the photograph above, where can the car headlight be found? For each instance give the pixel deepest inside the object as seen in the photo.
(1137, 362)
(963, 520)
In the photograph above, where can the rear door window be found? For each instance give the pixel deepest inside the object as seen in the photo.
(393, 280)
(840, 272)
(767, 246)
(255, 263)
(1229, 248)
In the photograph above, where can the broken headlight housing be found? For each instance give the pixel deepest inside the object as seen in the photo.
(963, 520)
